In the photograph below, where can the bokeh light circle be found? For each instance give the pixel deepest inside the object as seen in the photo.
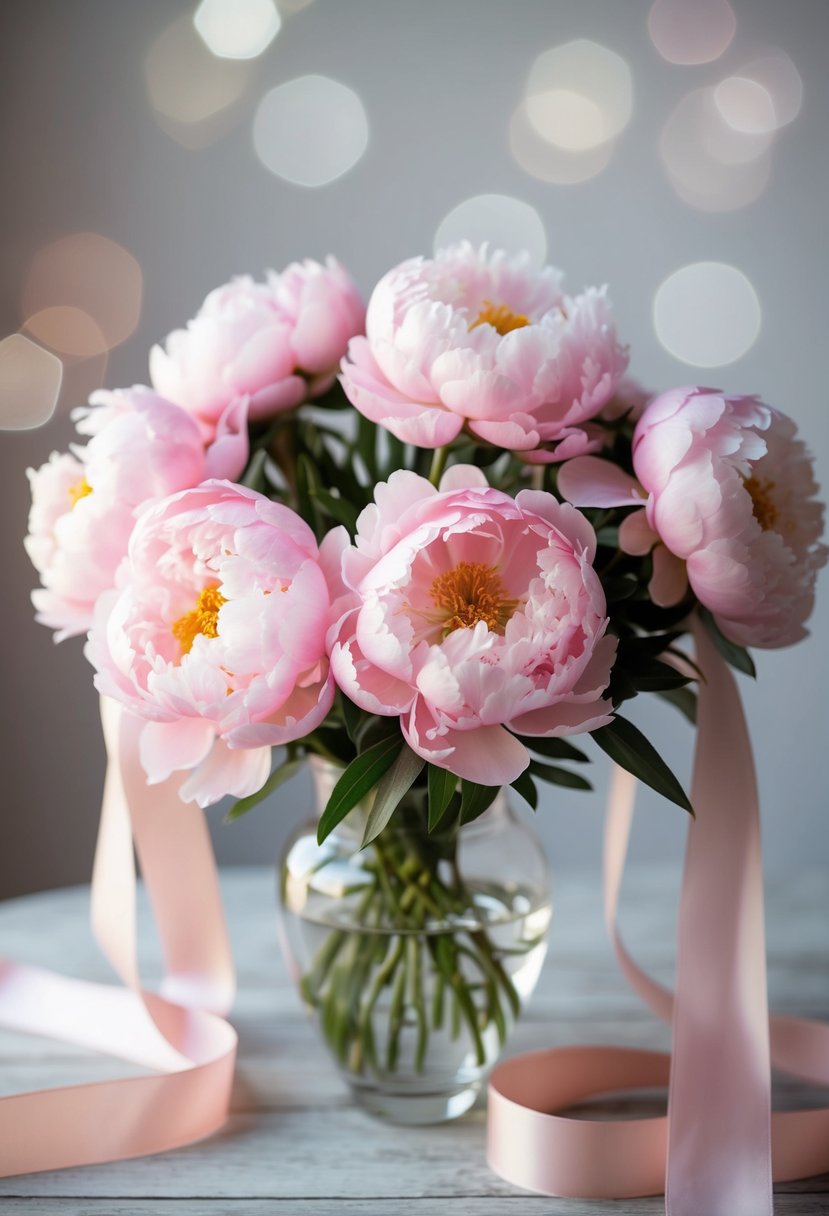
(763, 97)
(30, 379)
(237, 29)
(688, 33)
(67, 330)
(499, 219)
(712, 166)
(746, 105)
(89, 273)
(579, 95)
(707, 314)
(549, 163)
(192, 92)
(311, 130)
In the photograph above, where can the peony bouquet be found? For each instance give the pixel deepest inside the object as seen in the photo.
(428, 544)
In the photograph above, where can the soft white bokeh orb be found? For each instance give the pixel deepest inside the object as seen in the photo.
(237, 29)
(763, 96)
(499, 219)
(579, 95)
(30, 379)
(547, 162)
(192, 92)
(746, 105)
(311, 130)
(712, 166)
(691, 31)
(707, 314)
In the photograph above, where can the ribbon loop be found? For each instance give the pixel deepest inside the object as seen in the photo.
(714, 1153)
(176, 1033)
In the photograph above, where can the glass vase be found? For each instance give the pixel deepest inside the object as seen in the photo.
(415, 954)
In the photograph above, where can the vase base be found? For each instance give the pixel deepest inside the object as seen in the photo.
(413, 1109)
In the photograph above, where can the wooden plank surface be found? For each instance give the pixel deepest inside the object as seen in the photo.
(295, 1145)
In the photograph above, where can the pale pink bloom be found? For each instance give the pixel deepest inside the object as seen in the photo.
(472, 615)
(84, 504)
(481, 340)
(216, 635)
(277, 343)
(728, 492)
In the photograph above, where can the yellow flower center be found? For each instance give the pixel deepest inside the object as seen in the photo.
(470, 593)
(762, 502)
(78, 491)
(202, 619)
(500, 318)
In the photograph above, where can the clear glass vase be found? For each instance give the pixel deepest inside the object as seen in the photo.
(415, 954)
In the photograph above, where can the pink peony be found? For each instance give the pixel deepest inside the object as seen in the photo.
(483, 341)
(83, 505)
(276, 343)
(216, 636)
(728, 507)
(473, 615)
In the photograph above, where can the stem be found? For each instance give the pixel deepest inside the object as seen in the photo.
(438, 464)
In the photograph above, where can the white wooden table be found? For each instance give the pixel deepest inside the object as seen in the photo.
(294, 1145)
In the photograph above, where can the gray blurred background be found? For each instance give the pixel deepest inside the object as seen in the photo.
(120, 122)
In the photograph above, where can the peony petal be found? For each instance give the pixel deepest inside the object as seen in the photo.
(166, 747)
(227, 455)
(669, 582)
(463, 477)
(238, 773)
(565, 718)
(489, 755)
(588, 481)
(636, 536)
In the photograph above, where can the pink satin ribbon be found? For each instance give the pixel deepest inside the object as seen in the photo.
(718, 1148)
(178, 1032)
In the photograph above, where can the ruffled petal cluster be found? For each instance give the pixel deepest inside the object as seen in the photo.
(475, 617)
(276, 343)
(84, 503)
(481, 340)
(731, 492)
(727, 495)
(216, 635)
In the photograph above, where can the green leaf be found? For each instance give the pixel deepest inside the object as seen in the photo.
(554, 749)
(254, 475)
(305, 484)
(367, 445)
(361, 776)
(396, 454)
(281, 774)
(338, 508)
(737, 656)
(390, 789)
(375, 730)
(475, 799)
(628, 747)
(353, 718)
(442, 785)
(559, 776)
(621, 588)
(651, 646)
(608, 536)
(525, 786)
(652, 675)
(683, 699)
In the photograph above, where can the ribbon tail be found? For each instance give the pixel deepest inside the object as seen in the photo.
(719, 1114)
